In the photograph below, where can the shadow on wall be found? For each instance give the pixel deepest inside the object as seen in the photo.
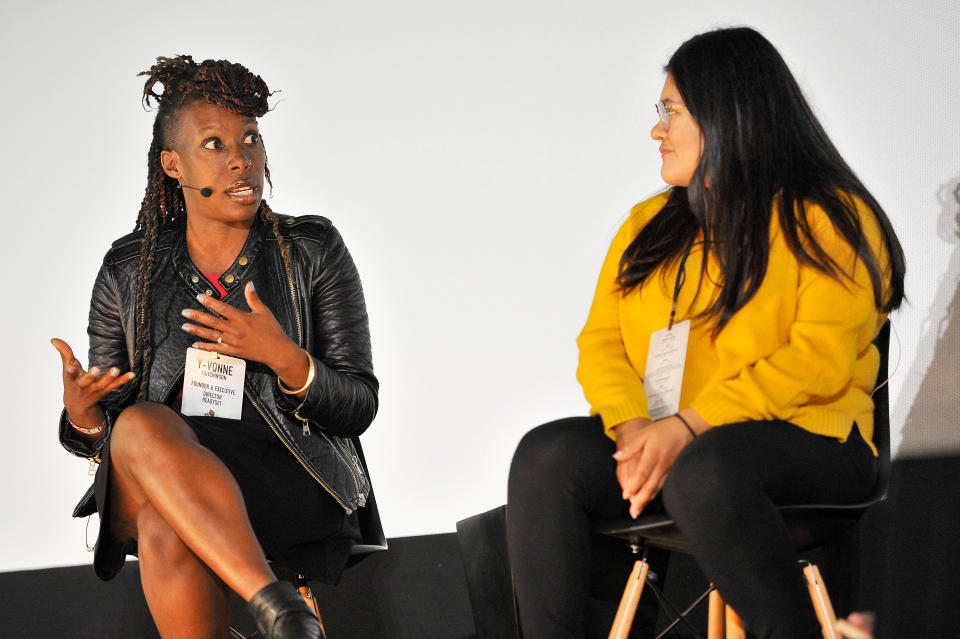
(932, 426)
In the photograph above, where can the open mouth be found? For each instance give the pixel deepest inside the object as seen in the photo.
(242, 191)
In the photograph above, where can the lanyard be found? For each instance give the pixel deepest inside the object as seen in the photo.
(681, 279)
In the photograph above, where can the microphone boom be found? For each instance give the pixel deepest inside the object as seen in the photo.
(205, 191)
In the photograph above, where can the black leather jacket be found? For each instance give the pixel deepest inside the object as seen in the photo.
(322, 309)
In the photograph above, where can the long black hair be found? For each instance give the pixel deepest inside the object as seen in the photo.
(762, 147)
(226, 84)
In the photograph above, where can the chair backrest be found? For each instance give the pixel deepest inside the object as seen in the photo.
(881, 412)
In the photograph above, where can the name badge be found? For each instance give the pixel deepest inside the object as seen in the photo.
(664, 375)
(213, 384)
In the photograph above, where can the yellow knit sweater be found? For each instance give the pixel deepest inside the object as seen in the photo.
(799, 351)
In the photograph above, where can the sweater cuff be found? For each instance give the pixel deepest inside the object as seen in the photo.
(619, 413)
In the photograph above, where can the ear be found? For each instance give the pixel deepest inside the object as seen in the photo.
(170, 161)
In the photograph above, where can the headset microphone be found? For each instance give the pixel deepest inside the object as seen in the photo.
(205, 191)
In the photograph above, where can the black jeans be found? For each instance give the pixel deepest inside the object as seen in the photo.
(721, 491)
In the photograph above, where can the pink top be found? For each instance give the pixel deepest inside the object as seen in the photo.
(215, 280)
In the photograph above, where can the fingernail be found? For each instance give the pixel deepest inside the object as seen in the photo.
(200, 297)
(185, 327)
(252, 287)
(185, 312)
(71, 370)
(114, 372)
(95, 370)
(196, 344)
(618, 455)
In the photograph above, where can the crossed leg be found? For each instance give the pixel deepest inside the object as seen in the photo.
(184, 508)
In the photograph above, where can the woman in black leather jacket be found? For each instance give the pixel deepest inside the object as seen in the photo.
(205, 470)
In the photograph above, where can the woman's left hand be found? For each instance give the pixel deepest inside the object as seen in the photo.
(255, 336)
(648, 456)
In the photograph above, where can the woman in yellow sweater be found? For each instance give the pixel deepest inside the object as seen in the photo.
(727, 354)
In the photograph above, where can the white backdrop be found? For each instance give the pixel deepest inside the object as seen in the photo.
(477, 158)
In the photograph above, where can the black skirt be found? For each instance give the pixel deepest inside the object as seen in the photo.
(297, 522)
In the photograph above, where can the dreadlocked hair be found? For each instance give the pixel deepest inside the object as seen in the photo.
(222, 83)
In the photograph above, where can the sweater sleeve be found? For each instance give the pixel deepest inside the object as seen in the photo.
(836, 318)
(610, 383)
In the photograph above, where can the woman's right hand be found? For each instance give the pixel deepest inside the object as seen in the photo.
(83, 390)
(628, 435)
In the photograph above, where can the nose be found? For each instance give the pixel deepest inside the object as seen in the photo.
(241, 159)
(659, 130)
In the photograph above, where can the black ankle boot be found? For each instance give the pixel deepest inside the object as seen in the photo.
(281, 613)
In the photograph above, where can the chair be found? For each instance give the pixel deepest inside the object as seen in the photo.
(811, 525)
(358, 552)
(373, 540)
(486, 565)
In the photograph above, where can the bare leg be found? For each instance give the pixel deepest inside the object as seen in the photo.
(156, 461)
(186, 599)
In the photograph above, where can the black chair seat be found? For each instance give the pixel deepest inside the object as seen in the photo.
(810, 526)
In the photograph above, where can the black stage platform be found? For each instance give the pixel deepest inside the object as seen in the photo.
(908, 573)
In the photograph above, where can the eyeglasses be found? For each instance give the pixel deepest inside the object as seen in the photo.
(664, 112)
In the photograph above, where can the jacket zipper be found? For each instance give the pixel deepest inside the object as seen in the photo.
(296, 309)
(361, 500)
(306, 422)
(296, 317)
(276, 431)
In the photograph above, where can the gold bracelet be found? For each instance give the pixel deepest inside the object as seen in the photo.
(310, 375)
(96, 430)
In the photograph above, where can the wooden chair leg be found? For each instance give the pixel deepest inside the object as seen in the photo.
(715, 620)
(628, 603)
(304, 589)
(821, 601)
(723, 622)
(734, 626)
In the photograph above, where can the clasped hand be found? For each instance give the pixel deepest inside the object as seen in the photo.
(254, 335)
(645, 451)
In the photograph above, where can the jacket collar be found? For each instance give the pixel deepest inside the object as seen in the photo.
(231, 279)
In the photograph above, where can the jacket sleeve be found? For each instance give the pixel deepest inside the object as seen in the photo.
(610, 383)
(836, 319)
(342, 400)
(107, 349)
